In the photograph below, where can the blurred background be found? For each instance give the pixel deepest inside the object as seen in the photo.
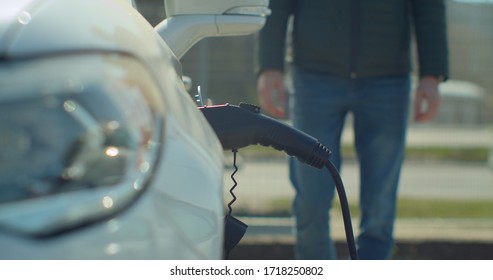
(446, 190)
(224, 67)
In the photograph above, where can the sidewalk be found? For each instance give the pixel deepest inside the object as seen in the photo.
(429, 136)
(261, 229)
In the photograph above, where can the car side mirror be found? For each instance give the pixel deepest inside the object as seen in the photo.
(189, 21)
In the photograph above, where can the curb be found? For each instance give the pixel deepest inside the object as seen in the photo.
(404, 250)
(416, 239)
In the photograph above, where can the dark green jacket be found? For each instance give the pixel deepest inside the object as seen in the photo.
(363, 38)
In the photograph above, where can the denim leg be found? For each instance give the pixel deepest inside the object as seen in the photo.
(381, 117)
(318, 108)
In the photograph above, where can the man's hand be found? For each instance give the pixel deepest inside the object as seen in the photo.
(271, 93)
(427, 99)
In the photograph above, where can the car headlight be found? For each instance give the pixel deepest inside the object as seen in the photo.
(79, 138)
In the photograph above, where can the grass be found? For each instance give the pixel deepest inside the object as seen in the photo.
(410, 208)
(407, 208)
(462, 154)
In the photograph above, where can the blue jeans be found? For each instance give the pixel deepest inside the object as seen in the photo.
(380, 107)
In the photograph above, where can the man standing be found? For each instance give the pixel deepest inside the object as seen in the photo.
(352, 56)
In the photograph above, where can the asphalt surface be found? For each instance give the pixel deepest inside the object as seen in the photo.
(264, 182)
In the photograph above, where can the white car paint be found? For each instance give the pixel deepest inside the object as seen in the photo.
(178, 214)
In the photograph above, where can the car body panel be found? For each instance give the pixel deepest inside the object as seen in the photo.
(179, 215)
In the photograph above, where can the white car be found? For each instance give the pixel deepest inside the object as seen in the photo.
(103, 153)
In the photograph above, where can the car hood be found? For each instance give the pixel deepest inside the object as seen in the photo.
(39, 27)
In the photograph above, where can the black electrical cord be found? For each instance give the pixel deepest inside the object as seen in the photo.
(346, 216)
(230, 209)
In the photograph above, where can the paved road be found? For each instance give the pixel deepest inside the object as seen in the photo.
(262, 182)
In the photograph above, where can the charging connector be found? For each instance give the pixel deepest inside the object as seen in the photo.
(244, 125)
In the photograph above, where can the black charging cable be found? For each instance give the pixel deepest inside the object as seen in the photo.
(244, 125)
(346, 216)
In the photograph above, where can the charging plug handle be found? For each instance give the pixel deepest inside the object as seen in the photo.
(244, 125)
